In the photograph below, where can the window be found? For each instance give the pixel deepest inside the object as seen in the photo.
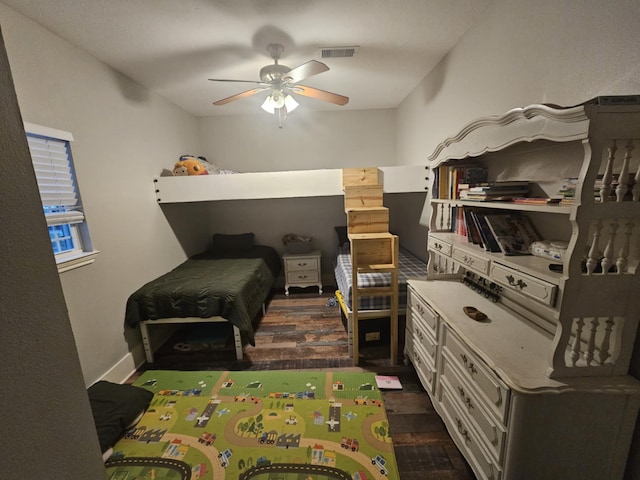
(53, 165)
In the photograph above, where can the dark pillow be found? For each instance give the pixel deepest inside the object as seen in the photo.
(232, 243)
(115, 407)
(342, 235)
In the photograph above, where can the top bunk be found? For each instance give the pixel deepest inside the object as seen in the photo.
(283, 184)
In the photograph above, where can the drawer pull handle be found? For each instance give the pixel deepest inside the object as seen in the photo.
(461, 430)
(302, 264)
(420, 309)
(465, 399)
(518, 284)
(467, 260)
(437, 246)
(468, 364)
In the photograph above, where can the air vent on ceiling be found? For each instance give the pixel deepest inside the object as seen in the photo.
(338, 52)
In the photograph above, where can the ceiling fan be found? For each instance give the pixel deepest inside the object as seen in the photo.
(282, 81)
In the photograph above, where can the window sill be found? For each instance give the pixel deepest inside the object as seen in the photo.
(80, 260)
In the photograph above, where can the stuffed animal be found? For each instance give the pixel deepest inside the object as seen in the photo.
(189, 166)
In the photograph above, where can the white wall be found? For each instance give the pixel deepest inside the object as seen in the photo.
(523, 52)
(45, 411)
(306, 141)
(123, 136)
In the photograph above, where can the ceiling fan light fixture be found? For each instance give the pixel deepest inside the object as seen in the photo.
(268, 105)
(290, 103)
(281, 82)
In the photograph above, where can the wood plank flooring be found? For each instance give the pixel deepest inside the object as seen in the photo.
(304, 331)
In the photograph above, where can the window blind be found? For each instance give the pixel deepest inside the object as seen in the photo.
(54, 174)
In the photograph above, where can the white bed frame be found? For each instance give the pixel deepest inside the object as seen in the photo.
(146, 341)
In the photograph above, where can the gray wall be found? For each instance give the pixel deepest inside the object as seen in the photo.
(45, 411)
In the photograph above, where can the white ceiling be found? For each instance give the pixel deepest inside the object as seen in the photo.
(173, 46)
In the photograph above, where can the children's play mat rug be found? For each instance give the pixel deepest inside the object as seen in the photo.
(286, 425)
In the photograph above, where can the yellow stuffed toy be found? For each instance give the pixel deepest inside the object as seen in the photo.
(189, 166)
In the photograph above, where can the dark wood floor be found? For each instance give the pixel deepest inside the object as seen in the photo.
(305, 331)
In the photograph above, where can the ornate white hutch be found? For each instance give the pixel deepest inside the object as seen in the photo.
(539, 389)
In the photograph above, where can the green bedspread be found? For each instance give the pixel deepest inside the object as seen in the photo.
(232, 285)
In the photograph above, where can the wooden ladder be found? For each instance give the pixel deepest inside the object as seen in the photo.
(373, 247)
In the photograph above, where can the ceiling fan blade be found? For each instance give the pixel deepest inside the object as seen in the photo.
(305, 70)
(237, 81)
(240, 95)
(320, 94)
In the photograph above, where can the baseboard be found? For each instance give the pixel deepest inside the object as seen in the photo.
(128, 364)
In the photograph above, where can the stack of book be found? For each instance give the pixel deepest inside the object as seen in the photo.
(494, 191)
(568, 191)
(449, 178)
(510, 233)
(615, 181)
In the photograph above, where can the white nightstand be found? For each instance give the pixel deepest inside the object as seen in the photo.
(302, 270)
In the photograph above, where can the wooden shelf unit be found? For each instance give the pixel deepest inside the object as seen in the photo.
(373, 248)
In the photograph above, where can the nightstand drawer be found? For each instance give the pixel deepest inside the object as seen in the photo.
(301, 263)
(301, 276)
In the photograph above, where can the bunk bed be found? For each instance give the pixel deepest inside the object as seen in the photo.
(230, 282)
(278, 184)
(373, 307)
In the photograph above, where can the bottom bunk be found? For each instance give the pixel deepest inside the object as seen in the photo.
(373, 308)
(228, 283)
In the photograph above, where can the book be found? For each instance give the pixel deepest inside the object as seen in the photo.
(489, 239)
(388, 382)
(513, 232)
(476, 229)
(461, 224)
(443, 181)
(473, 234)
(536, 200)
(492, 193)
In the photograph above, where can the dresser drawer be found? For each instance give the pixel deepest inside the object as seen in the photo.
(439, 246)
(471, 260)
(301, 263)
(425, 367)
(491, 390)
(422, 313)
(301, 276)
(492, 432)
(466, 438)
(527, 285)
(424, 337)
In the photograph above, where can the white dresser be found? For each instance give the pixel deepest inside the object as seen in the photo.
(539, 389)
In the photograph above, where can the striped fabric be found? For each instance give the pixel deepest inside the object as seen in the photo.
(410, 266)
